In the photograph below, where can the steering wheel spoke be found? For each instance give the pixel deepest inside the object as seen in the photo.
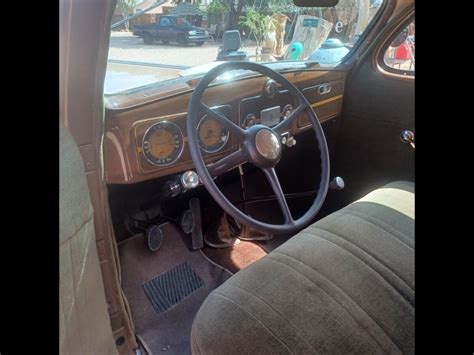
(231, 126)
(227, 163)
(272, 178)
(283, 126)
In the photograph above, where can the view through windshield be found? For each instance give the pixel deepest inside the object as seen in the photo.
(158, 41)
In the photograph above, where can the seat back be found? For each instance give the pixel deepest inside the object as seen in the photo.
(83, 317)
(231, 40)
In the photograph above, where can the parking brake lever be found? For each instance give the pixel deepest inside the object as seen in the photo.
(408, 137)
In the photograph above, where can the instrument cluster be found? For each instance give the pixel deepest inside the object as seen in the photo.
(163, 142)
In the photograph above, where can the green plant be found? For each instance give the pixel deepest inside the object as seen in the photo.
(258, 24)
(282, 6)
(216, 6)
(269, 24)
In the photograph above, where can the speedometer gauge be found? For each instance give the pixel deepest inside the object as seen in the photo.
(212, 134)
(163, 143)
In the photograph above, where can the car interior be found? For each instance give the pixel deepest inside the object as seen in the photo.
(270, 211)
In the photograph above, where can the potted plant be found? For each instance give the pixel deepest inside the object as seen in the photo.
(261, 26)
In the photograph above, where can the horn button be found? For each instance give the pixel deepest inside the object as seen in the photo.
(265, 147)
(267, 144)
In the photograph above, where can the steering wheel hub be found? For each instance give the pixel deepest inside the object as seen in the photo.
(268, 144)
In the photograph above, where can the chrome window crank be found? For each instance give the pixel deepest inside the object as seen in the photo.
(408, 137)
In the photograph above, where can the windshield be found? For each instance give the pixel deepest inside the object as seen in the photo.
(273, 32)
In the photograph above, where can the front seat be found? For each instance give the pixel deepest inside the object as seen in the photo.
(343, 285)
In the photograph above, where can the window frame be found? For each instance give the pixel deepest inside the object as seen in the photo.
(381, 65)
(384, 13)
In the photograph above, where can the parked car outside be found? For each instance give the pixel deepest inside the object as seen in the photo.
(172, 29)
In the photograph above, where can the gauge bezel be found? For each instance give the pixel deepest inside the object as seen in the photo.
(201, 144)
(181, 148)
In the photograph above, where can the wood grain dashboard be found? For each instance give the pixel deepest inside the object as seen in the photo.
(125, 162)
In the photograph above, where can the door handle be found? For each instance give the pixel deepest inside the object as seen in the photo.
(408, 136)
(324, 89)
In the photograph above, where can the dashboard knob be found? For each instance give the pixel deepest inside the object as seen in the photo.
(337, 183)
(290, 142)
(287, 110)
(270, 88)
(249, 120)
(189, 180)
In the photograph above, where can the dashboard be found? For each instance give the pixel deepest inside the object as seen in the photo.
(148, 139)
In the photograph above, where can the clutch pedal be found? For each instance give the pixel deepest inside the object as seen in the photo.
(154, 236)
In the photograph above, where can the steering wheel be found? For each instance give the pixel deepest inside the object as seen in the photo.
(259, 145)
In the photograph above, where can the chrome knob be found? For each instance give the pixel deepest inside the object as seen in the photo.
(407, 136)
(290, 142)
(287, 140)
(337, 183)
(189, 180)
(270, 88)
(249, 121)
(287, 110)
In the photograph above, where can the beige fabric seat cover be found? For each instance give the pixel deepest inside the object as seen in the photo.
(84, 325)
(343, 285)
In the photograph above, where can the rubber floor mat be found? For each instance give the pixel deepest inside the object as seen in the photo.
(171, 287)
(166, 328)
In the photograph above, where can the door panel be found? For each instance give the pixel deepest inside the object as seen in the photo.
(377, 107)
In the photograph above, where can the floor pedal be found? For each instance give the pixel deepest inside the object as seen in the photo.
(191, 223)
(154, 236)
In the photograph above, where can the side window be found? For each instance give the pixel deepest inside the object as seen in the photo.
(165, 21)
(400, 55)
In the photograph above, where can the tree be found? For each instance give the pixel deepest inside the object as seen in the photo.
(258, 24)
(126, 6)
(234, 12)
(216, 7)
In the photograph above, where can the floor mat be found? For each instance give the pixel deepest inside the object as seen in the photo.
(176, 279)
(168, 289)
(275, 242)
(236, 257)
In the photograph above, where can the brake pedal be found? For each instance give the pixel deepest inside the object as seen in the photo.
(191, 223)
(196, 234)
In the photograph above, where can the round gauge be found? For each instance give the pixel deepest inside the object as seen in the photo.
(212, 135)
(163, 143)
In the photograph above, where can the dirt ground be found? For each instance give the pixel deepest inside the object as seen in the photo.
(124, 46)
